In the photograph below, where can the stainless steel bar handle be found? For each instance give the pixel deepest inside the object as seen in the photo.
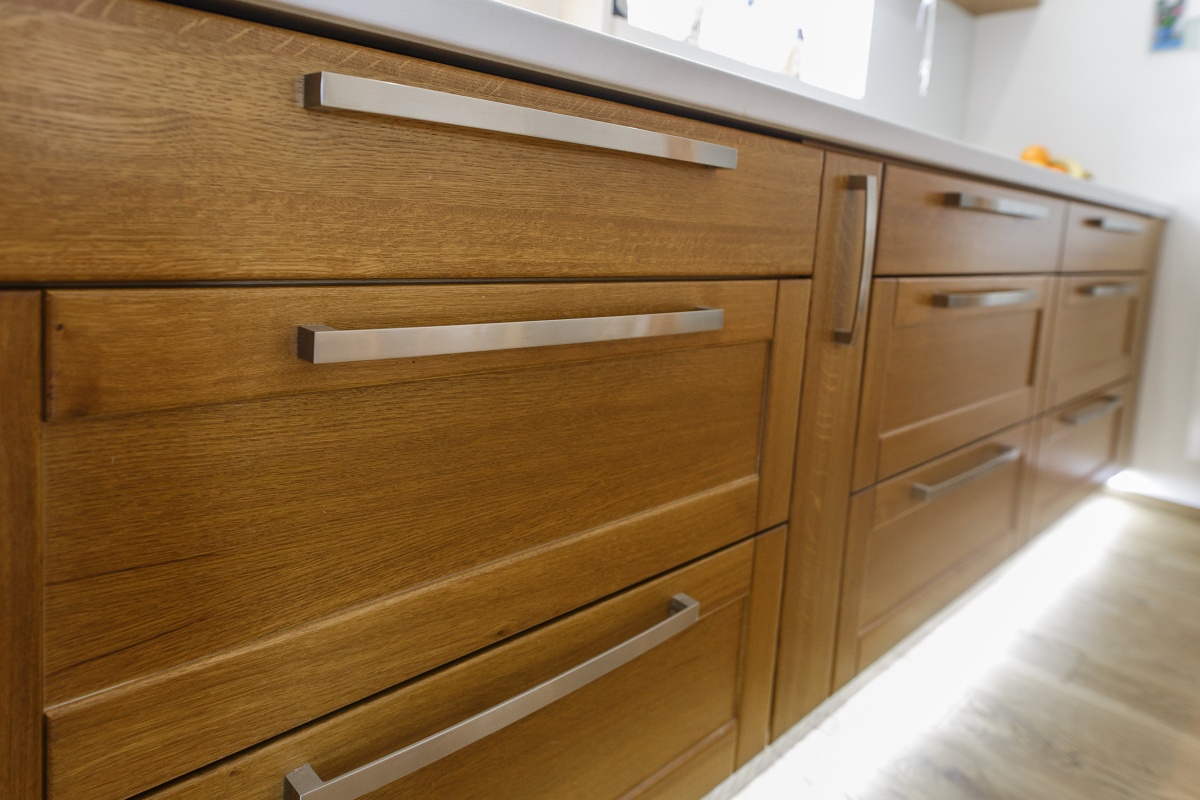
(1109, 289)
(997, 205)
(1102, 407)
(333, 91)
(321, 344)
(1006, 455)
(869, 186)
(993, 299)
(1114, 225)
(305, 784)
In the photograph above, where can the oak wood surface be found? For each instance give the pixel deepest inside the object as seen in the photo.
(20, 545)
(1074, 458)
(759, 646)
(200, 552)
(1089, 248)
(145, 141)
(606, 740)
(121, 350)
(907, 557)
(824, 452)
(919, 234)
(937, 378)
(780, 417)
(1096, 340)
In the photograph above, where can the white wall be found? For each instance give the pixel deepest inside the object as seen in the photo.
(1078, 77)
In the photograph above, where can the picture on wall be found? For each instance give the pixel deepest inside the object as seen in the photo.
(1168, 24)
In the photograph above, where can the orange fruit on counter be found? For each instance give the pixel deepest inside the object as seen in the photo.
(1036, 154)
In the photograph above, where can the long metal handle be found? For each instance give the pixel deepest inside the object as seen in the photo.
(923, 491)
(333, 91)
(322, 344)
(997, 205)
(1102, 407)
(993, 299)
(1114, 225)
(869, 186)
(305, 784)
(1109, 289)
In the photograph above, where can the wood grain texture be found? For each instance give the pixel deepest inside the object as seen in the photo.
(1096, 340)
(938, 378)
(907, 558)
(759, 646)
(20, 545)
(824, 452)
(223, 345)
(200, 552)
(781, 415)
(920, 235)
(610, 739)
(145, 141)
(1089, 248)
(1075, 459)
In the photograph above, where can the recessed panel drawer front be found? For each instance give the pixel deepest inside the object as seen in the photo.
(672, 714)
(935, 224)
(228, 522)
(145, 141)
(1097, 333)
(1105, 240)
(919, 539)
(1079, 448)
(949, 360)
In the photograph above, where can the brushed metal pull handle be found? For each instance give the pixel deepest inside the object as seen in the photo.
(1109, 289)
(334, 91)
(1102, 407)
(992, 299)
(305, 784)
(869, 186)
(1114, 225)
(997, 205)
(1006, 455)
(321, 344)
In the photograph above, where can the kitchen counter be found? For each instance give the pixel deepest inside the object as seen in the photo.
(498, 34)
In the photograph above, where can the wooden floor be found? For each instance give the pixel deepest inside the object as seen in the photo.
(1095, 695)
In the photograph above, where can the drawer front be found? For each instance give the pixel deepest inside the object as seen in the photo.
(918, 540)
(935, 224)
(240, 550)
(145, 141)
(1079, 447)
(949, 360)
(666, 724)
(1104, 240)
(1097, 334)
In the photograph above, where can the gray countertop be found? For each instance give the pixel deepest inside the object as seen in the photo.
(504, 35)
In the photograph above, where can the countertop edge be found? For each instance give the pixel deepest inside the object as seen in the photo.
(509, 36)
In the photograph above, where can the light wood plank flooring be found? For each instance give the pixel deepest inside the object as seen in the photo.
(1088, 690)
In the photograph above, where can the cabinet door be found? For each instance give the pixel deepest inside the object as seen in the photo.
(949, 360)
(228, 522)
(670, 723)
(1105, 240)
(917, 541)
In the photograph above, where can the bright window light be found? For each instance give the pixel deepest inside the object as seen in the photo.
(928, 683)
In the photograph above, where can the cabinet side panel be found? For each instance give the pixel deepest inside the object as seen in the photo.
(20, 552)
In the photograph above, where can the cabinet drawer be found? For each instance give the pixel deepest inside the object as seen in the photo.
(228, 522)
(145, 141)
(1103, 240)
(935, 224)
(949, 360)
(917, 541)
(665, 725)
(1097, 334)
(1078, 449)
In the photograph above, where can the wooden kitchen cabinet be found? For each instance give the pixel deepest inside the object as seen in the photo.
(1102, 239)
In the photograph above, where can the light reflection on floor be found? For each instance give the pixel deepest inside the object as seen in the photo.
(927, 684)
